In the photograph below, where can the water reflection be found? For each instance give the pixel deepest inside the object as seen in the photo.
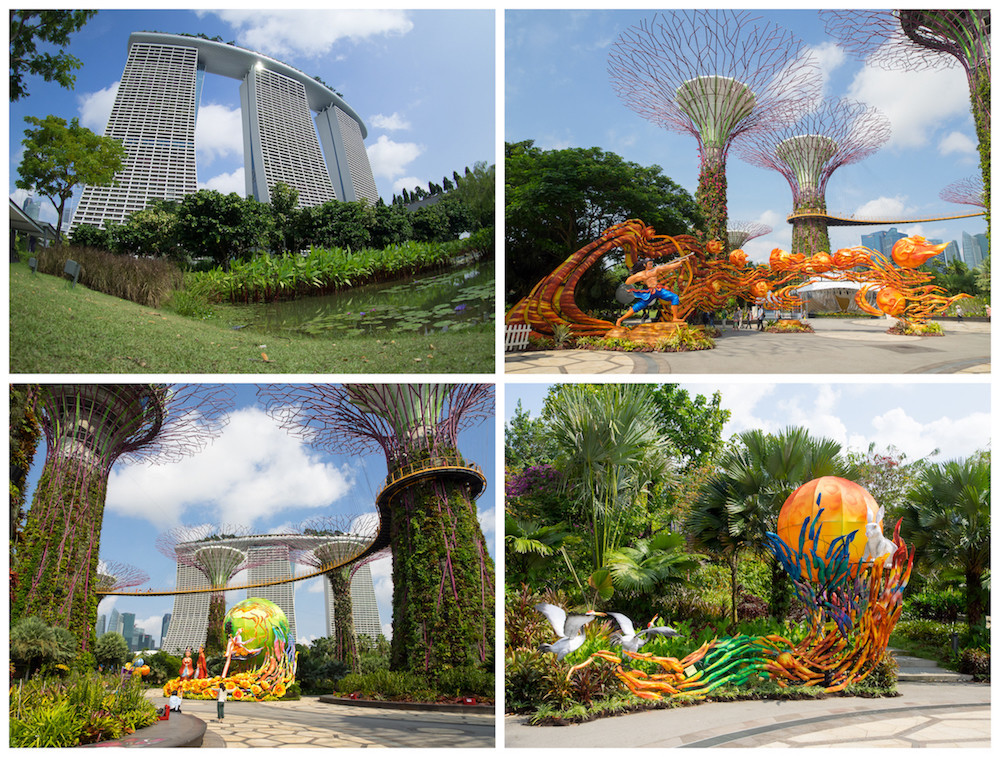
(456, 299)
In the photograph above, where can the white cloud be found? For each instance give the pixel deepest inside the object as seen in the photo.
(311, 32)
(407, 182)
(956, 437)
(487, 522)
(917, 103)
(95, 108)
(253, 470)
(227, 182)
(395, 122)
(218, 132)
(829, 56)
(958, 142)
(389, 159)
(883, 207)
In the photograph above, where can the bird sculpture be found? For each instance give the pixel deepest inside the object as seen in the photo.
(569, 629)
(629, 640)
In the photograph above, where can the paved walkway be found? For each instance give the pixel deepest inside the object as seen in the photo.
(838, 346)
(311, 723)
(926, 715)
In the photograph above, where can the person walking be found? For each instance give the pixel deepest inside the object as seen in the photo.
(220, 702)
(760, 318)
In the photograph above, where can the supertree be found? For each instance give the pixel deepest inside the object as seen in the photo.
(442, 572)
(24, 435)
(114, 576)
(916, 40)
(835, 134)
(218, 553)
(335, 544)
(715, 75)
(88, 428)
(967, 191)
(741, 232)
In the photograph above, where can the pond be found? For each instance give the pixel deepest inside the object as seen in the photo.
(458, 298)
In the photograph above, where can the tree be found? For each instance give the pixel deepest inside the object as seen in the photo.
(87, 235)
(650, 564)
(954, 276)
(27, 29)
(430, 224)
(740, 503)
(525, 441)
(947, 516)
(111, 651)
(58, 158)
(477, 192)
(982, 273)
(611, 453)
(148, 232)
(32, 644)
(223, 227)
(693, 425)
(887, 476)
(284, 202)
(558, 201)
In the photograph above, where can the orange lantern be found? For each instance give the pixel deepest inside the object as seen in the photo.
(845, 258)
(779, 259)
(738, 258)
(911, 252)
(821, 262)
(845, 505)
(890, 301)
(760, 288)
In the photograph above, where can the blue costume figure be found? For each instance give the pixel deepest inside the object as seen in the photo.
(647, 275)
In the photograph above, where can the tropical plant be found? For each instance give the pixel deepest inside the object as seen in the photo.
(739, 505)
(651, 564)
(33, 644)
(611, 453)
(947, 515)
(530, 547)
(111, 650)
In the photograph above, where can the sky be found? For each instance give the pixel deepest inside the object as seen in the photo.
(422, 82)
(557, 92)
(259, 476)
(939, 422)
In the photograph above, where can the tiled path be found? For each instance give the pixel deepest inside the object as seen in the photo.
(838, 346)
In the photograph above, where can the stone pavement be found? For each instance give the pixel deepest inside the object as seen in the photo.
(925, 715)
(838, 346)
(308, 723)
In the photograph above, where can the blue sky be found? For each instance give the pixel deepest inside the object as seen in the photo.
(915, 418)
(422, 81)
(557, 92)
(259, 476)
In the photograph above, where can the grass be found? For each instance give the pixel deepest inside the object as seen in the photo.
(56, 329)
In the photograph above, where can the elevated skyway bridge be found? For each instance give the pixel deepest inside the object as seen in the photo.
(832, 220)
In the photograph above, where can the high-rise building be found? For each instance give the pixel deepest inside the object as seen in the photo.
(128, 627)
(102, 621)
(363, 603)
(951, 253)
(189, 620)
(882, 241)
(114, 622)
(164, 626)
(156, 109)
(975, 249)
(280, 567)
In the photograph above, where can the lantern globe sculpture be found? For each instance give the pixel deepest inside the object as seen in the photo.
(88, 428)
(715, 75)
(917, 40)
(443, 581)
(806, 153)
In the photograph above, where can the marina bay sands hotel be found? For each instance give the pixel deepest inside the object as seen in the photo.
(156, 109)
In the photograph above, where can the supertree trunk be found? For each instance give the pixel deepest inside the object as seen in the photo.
(442, 605)
(343, 618)
(810, 235)
(215, 638)
(711, 196)
(980, 82)
(58, 577)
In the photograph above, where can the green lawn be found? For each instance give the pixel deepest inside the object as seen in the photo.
(55, 329)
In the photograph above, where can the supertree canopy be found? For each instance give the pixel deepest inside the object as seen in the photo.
(916, 40)
(218, 553)
(967, 191)
(336, 543)
(714, 74)
(741, 232)
(114, 576)
(837, 133)
(443, 581)
(88, 428)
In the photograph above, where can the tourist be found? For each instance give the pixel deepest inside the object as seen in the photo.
(175, 701)
(760, 318)
(958, 312)
(220, 702)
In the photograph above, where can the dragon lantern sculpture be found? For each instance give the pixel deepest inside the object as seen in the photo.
(707, 278)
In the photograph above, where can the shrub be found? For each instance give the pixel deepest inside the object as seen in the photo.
(86, 235)
(387, 684)
(751, 607)
(465, 681)
(930, 604)
(111, 651)
(975, 662)
(884, 675)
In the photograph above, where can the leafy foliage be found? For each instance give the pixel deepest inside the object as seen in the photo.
(30, 27)
(111, 651)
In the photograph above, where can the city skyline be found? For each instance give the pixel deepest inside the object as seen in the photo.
(558, 93)
(425, 116)
(258, 475)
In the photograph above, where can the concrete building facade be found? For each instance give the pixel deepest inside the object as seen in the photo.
(155, 113)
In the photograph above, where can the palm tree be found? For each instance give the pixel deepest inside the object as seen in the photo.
(651, 563)
(948, 519)
(529, 547)
(612, 452)
(740, 504)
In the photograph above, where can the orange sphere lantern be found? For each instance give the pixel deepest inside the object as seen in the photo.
(845, 506)
(738, 258)
(890, 301)
(911, 252)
